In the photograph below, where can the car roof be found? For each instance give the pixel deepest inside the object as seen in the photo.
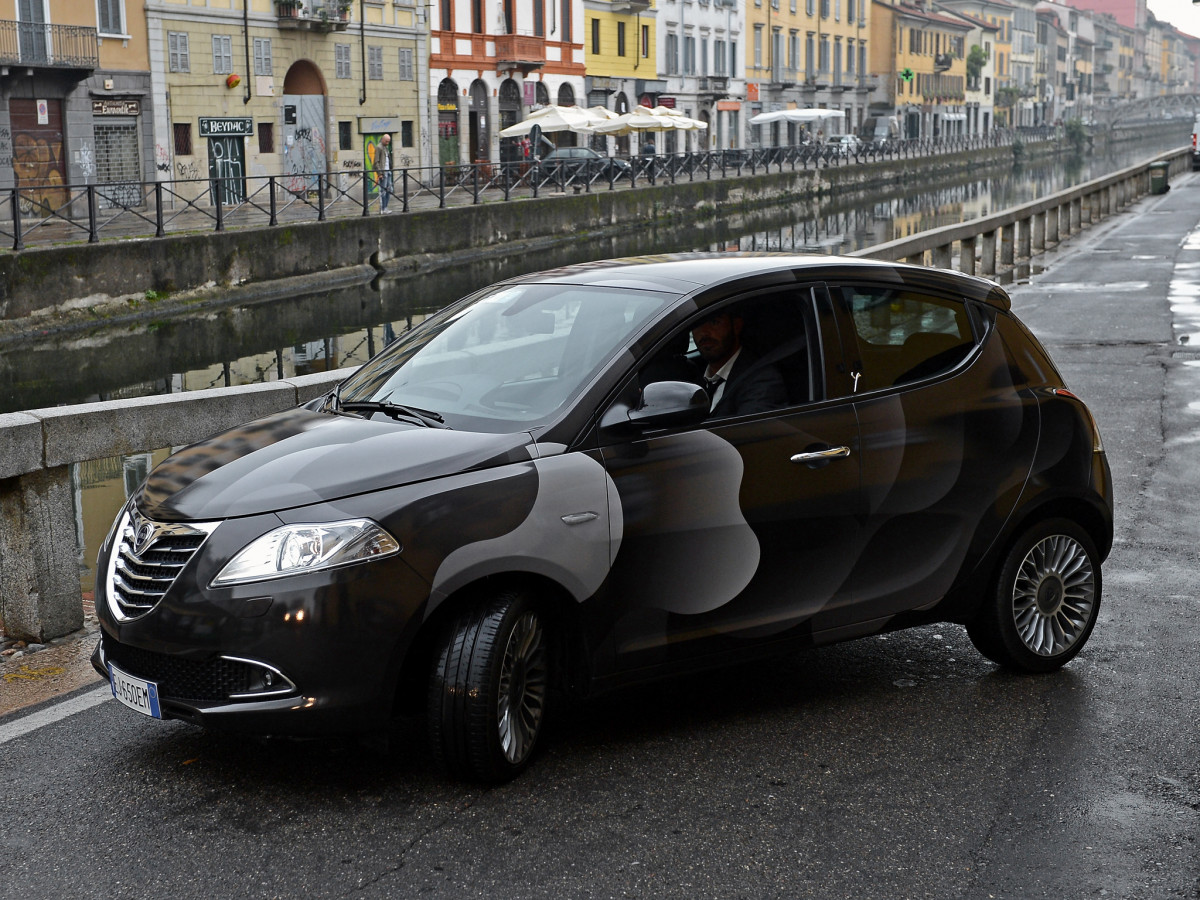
(686, 273)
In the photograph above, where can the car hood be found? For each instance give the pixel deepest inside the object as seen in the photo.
(299, 457)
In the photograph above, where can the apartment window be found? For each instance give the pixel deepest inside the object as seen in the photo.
(477, 16)
(703, 56)
(794, 50)
(758, 36)
(689, 56)
(595, 36)
(810, 7)
(222, 46)
(823, 58)
(850, 12)
(862, 57)
(810, 57)
(109, 17)
(262, 56)
(539, 18)
(732, 57)
(824, 9)
(620, 39)
(565, 17)
(406, 64)
(266, 137)
(406, 133)
(850, 56)
(645, 42)
(718, 57)
(447, 15)
(672, 59)
(341, 55)
(375, 63)
(183, 138)
(177, 50)
(837, 10)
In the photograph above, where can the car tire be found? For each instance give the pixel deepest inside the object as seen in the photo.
(488, 689)
(1044, 602)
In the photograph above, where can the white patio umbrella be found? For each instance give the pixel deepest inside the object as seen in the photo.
(553, 118)
(642, 118)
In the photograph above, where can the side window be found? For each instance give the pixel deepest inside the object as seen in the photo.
(752, 356)
(904, 336)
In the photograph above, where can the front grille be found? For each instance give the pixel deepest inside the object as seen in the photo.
(146, 560)
(213, 681)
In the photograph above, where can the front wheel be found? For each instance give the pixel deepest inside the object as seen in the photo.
(1045, 601)
(488, 688)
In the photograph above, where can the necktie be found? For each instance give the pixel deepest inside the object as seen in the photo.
(711, 385)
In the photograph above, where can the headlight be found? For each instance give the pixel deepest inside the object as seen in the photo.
(293, 549)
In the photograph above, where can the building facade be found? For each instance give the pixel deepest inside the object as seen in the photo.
(492, 62)
(699, 59)
(75, 103)
(295, 88)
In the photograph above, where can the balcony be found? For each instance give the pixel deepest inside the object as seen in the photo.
(520, 51)
(713, 85)
(48, 46)
(630, 6)
(942, 62)
(313, 16)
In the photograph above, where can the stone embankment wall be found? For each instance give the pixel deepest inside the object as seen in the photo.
(93, 281)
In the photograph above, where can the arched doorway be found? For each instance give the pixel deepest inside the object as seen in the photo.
(541, 93)
(566, 95)
(510, 114)
(477, 122)
(447, 101)
(304, 142)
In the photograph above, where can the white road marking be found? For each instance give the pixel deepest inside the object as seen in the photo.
(52, 714)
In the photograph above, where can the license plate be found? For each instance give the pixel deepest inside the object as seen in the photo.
(138, 695)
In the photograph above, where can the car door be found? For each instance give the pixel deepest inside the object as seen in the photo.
(947, 441)
(738, 531)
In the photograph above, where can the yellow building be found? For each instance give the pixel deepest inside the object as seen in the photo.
(808, 54)
(294, 88)
(922, 57)
(620, 43)
(75, 102)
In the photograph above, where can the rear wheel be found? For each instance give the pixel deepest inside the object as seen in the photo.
(488, 688)
(1044, 603)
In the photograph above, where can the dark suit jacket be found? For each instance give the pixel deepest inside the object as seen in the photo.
(753, 386)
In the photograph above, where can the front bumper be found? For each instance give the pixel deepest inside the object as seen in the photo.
(308, 654)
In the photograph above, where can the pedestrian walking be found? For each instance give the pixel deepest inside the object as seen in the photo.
(383, 168)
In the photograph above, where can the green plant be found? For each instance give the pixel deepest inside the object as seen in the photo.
(1018, 150)
(1076, 134)
(152, 296)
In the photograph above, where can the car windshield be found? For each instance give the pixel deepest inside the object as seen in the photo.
(507, 359)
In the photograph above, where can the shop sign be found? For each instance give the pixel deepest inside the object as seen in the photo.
(234, 127)
(729, 105)
(668, 102)
(751, 91)
(114, 107)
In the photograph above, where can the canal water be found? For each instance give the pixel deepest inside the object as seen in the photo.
(299, 335)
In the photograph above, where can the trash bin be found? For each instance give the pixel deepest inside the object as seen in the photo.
(1158, 177)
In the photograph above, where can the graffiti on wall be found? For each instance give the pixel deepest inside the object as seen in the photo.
(162, 158)
(305, 156)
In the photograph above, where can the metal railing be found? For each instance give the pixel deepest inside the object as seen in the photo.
(39, 44)
(53, 213)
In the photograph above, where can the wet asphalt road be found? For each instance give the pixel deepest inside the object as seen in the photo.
(903, 766)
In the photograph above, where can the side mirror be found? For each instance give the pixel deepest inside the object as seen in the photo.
(667, 403)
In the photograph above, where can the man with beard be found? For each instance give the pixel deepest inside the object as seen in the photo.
(738, 381)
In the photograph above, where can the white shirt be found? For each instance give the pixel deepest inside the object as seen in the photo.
(723, 374)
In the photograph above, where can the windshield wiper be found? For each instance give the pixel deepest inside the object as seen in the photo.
(397, 411)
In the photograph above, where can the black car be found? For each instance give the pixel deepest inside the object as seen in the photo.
(583, 162)
(543, 491)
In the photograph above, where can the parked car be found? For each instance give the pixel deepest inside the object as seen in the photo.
(845, 145)
(579, 162)
(533, 493)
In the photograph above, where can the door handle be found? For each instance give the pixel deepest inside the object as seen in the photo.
(822, 455)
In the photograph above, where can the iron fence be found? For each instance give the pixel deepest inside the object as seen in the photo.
(113, 210)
